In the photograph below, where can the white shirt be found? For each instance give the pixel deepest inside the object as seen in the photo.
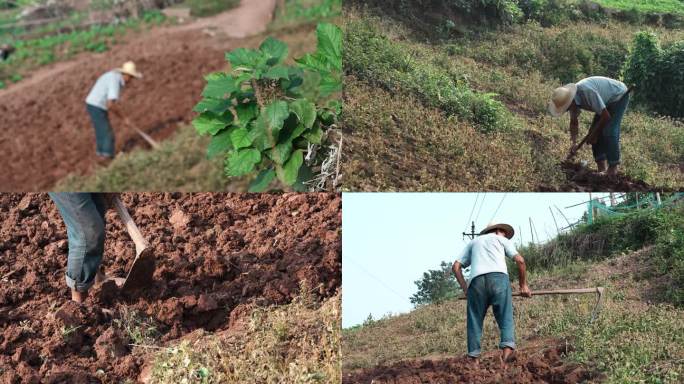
(486, 254)
(107, 87)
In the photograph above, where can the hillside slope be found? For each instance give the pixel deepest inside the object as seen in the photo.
(637, 336)
(457, 108)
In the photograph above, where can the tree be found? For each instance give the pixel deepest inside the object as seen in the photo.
(436, 286)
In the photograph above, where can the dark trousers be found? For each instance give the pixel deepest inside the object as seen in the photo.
(104, 136)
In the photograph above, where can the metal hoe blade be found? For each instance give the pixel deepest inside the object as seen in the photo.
(140, 274)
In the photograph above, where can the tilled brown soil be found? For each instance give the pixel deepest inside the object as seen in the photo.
(583, 179)
(530, 365)
(217, 255)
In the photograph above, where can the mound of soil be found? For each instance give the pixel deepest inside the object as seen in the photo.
(216, 254)
(531, 365)
(583, 179)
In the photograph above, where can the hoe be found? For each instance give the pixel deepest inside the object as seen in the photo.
(597, 290)
(143, 266)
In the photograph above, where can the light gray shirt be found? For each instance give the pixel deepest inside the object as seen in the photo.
(107, 87)
(594, 93)
(486, 254)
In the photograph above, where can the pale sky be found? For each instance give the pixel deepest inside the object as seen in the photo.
(390, 239)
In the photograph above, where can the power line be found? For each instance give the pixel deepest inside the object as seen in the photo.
(471, 211)
(481, 204)
(497, 208)
(403, 299)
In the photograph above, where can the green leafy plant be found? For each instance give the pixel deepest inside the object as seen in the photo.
(266, 115)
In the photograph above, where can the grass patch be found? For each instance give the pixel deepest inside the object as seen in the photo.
(179, 165)
(648, 6)
(295, 343)
(293, 12)
(202, 8)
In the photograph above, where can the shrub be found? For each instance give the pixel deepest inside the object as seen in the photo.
(657, 73)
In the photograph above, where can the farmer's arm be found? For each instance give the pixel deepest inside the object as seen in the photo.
(459, 276)
(522, 275)
(114, 108)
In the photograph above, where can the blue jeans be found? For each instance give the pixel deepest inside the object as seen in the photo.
(84, 217)
(104, 136)
(608, 145)
(491, 289)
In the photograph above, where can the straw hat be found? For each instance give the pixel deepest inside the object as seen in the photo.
(129, 69)
(494, 226)
(561, 99)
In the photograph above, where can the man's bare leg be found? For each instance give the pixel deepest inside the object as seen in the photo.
(602, 165)
(613, 170)
(78, 297)
(506, 354)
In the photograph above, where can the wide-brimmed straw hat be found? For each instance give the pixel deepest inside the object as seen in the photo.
(494, 226)
(129, 69)
(561, 99)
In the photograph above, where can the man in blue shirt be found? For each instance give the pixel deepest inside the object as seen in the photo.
(608, 99)
(489, 285)
(102, 99)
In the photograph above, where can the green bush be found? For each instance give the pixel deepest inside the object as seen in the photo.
(657, 73)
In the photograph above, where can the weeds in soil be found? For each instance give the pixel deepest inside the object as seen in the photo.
(294, 12)
(141, 329)
(202, 8)
(67, 331)
(294, 343)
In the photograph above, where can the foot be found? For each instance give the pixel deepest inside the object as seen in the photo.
(79, 297)
(612, 171)
(506, 357)
(602, 165)
(473, 361)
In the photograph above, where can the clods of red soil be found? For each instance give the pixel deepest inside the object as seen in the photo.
(582, 179)
(530, 365)
(237, 251)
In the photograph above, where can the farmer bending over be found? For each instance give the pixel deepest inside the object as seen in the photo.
(102, 99)
(608, 99)
(489, 285)
(84, 217)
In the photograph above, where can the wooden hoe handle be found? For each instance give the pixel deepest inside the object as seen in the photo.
(138, 238)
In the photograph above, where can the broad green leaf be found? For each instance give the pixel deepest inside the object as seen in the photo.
(219, 87)
(277, 72)
(330, 84)
(330, 43)
(211, 104)
(281, 153)
(315, 135)
(289, 172)
(305, 111)
(275, 50)
(244, 59)
(242, 161)
(262, 181)
(219, 144)
(246, 112)
(305, 174)
(259, 133)
(240, 138)
(210, 123)
(276, 113)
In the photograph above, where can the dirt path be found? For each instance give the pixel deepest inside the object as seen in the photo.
(45, 132)
(539, 362)
(217, 256)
